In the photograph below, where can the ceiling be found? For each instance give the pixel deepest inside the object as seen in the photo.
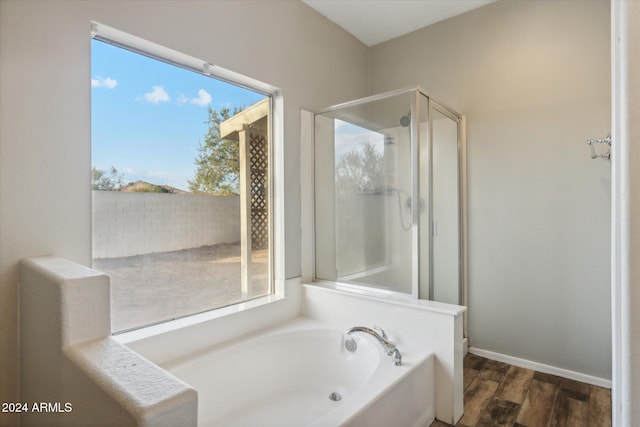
(376, 21)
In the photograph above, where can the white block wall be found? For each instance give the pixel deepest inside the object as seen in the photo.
(126, 224)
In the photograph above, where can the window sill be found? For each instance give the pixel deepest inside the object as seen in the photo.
(196, 319)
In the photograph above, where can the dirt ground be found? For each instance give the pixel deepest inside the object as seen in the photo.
(151, 288)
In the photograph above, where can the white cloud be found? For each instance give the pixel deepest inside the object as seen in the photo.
(102, 82)
(202, 100)
(157, 95)
(182, 99)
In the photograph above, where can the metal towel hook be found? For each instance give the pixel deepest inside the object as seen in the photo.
(606, 140)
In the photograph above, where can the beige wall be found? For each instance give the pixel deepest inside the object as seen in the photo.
(533, 79)
(45, 192)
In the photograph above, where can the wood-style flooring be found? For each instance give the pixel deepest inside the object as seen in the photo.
(498, 394)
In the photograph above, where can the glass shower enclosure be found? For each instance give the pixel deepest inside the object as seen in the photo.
(388, 196)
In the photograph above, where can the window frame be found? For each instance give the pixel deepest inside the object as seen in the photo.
(276, 203)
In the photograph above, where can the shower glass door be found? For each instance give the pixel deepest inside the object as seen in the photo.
(445, 201)
(386, 215)
(363, 185)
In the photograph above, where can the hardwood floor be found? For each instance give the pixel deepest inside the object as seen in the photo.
(497, 394)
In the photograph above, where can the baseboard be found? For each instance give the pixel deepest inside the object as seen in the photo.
(465, 346)
(540, 367)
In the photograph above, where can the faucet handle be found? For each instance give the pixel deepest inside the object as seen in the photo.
(396, 357)
(381, 332)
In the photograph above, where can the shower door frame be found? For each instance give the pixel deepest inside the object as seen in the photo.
(459, 119)
(308, 181)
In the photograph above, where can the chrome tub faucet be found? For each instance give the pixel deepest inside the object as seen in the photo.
(379, 334)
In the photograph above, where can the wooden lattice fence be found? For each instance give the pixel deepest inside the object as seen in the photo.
(259, 172)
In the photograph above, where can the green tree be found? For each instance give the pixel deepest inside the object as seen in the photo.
(101, 180)
(218, 160)
(359, 170)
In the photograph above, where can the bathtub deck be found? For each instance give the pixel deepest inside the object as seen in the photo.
(498, 394)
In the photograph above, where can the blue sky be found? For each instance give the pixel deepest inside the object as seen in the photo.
(350, 137)
(148, 117)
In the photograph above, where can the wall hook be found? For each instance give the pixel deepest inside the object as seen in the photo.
(605, 140)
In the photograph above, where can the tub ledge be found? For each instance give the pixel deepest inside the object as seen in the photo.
(72, 372)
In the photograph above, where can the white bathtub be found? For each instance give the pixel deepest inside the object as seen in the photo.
(285, 376)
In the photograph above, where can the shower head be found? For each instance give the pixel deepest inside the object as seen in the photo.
(405, 120)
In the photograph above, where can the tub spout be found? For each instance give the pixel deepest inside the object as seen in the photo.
(389, 348)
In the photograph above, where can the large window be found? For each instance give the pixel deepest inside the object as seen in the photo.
(182, 178)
